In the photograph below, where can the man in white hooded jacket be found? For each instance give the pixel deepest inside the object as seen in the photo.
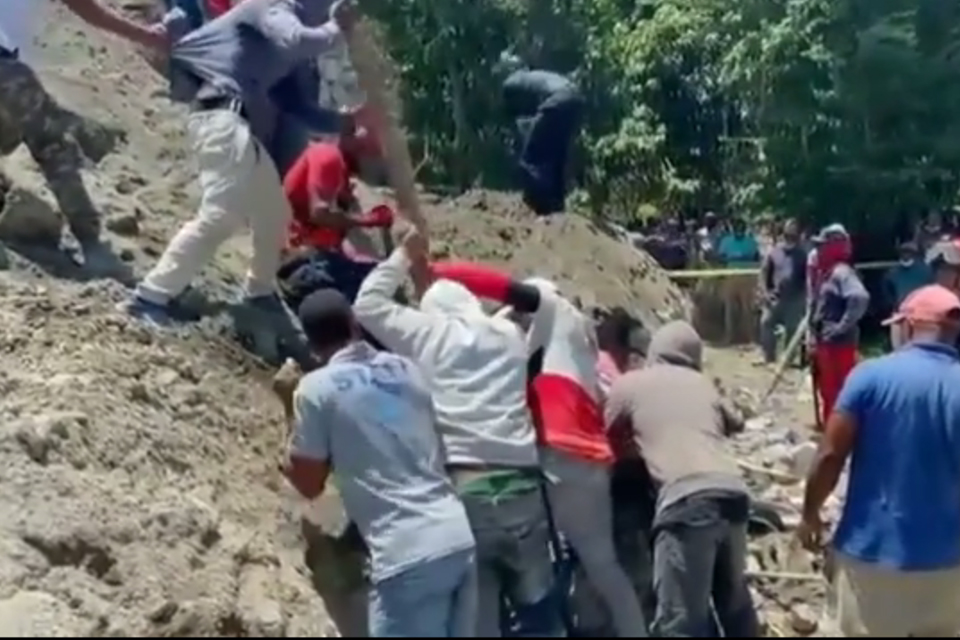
(565, 400)
(476, 367)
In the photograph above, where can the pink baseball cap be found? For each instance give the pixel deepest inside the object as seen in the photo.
(933, 303)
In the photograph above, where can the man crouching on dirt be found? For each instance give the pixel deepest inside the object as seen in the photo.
(475, 367)
(677, 419)
(841, 301)
(369, 415)
(325, 208)
(565, 401)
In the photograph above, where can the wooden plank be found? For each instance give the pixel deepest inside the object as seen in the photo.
(372, 73)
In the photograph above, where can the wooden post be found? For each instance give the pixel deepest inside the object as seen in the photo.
(795, 341)
(372, 73)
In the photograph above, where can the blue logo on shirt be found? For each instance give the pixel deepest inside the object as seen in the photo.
(382, 387)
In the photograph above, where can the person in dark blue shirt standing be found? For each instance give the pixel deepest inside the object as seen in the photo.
(547, 109)
(898, 419)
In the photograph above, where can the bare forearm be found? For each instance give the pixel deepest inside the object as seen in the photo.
(96, 14)
(821, 482)
(289, 415)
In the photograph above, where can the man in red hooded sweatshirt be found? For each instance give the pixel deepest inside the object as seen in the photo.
(565, 401)
(840, 301)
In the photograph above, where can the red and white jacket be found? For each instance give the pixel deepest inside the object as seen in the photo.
(564, 392)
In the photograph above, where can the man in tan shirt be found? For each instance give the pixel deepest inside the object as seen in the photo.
(672, 416)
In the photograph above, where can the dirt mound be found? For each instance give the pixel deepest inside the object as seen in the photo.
(586, 262)
(138, 484)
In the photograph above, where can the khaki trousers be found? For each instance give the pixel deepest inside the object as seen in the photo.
(878, 602)
(240, 189)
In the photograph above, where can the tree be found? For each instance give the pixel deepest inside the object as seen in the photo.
(825, 109)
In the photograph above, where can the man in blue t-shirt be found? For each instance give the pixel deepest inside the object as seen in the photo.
(898, 419)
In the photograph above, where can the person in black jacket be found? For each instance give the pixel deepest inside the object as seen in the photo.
(547, 108)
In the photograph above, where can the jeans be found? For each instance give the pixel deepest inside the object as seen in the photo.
(513, 558)
(435, 599)
(786, 311)
(699, 555)
(583, 511)
(545, 151)
(240, 187)
(633, 511)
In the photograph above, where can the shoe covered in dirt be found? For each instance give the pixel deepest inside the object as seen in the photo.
(159, 315)
(98, 260)
(152, 314)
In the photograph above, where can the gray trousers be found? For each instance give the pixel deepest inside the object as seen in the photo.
(513, 555)
(697, 562)
(583, 511)
(786, 311)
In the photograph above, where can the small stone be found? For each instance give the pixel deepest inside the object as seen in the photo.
(801, 459)
(35, 438)
(124, 225)
(759, 423)
(257, 606)
(803, 619)
(30, 219)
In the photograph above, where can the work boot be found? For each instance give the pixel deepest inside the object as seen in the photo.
(98, 260)
(96, 139)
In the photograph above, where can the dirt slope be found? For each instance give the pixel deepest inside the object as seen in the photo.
(496, 228)
(138, 489)
(138, 483)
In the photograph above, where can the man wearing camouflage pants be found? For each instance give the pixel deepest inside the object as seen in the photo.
(28, 114)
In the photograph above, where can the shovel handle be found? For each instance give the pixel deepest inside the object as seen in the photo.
(384, 113)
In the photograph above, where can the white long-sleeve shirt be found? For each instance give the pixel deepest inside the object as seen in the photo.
(475, 365)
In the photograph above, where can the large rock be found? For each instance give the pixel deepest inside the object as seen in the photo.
(28, 210)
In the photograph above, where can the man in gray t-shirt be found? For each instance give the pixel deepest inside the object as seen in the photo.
(368, 415)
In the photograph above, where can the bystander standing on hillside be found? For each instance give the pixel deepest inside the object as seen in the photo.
(547, 110)
(930, 231)
(708, 238)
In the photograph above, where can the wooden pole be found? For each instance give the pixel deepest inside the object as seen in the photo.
(372, 73)
(787, 356)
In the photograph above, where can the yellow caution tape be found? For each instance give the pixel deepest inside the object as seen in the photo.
(703, 274)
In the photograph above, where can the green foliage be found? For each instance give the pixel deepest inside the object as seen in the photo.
(825, 109)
